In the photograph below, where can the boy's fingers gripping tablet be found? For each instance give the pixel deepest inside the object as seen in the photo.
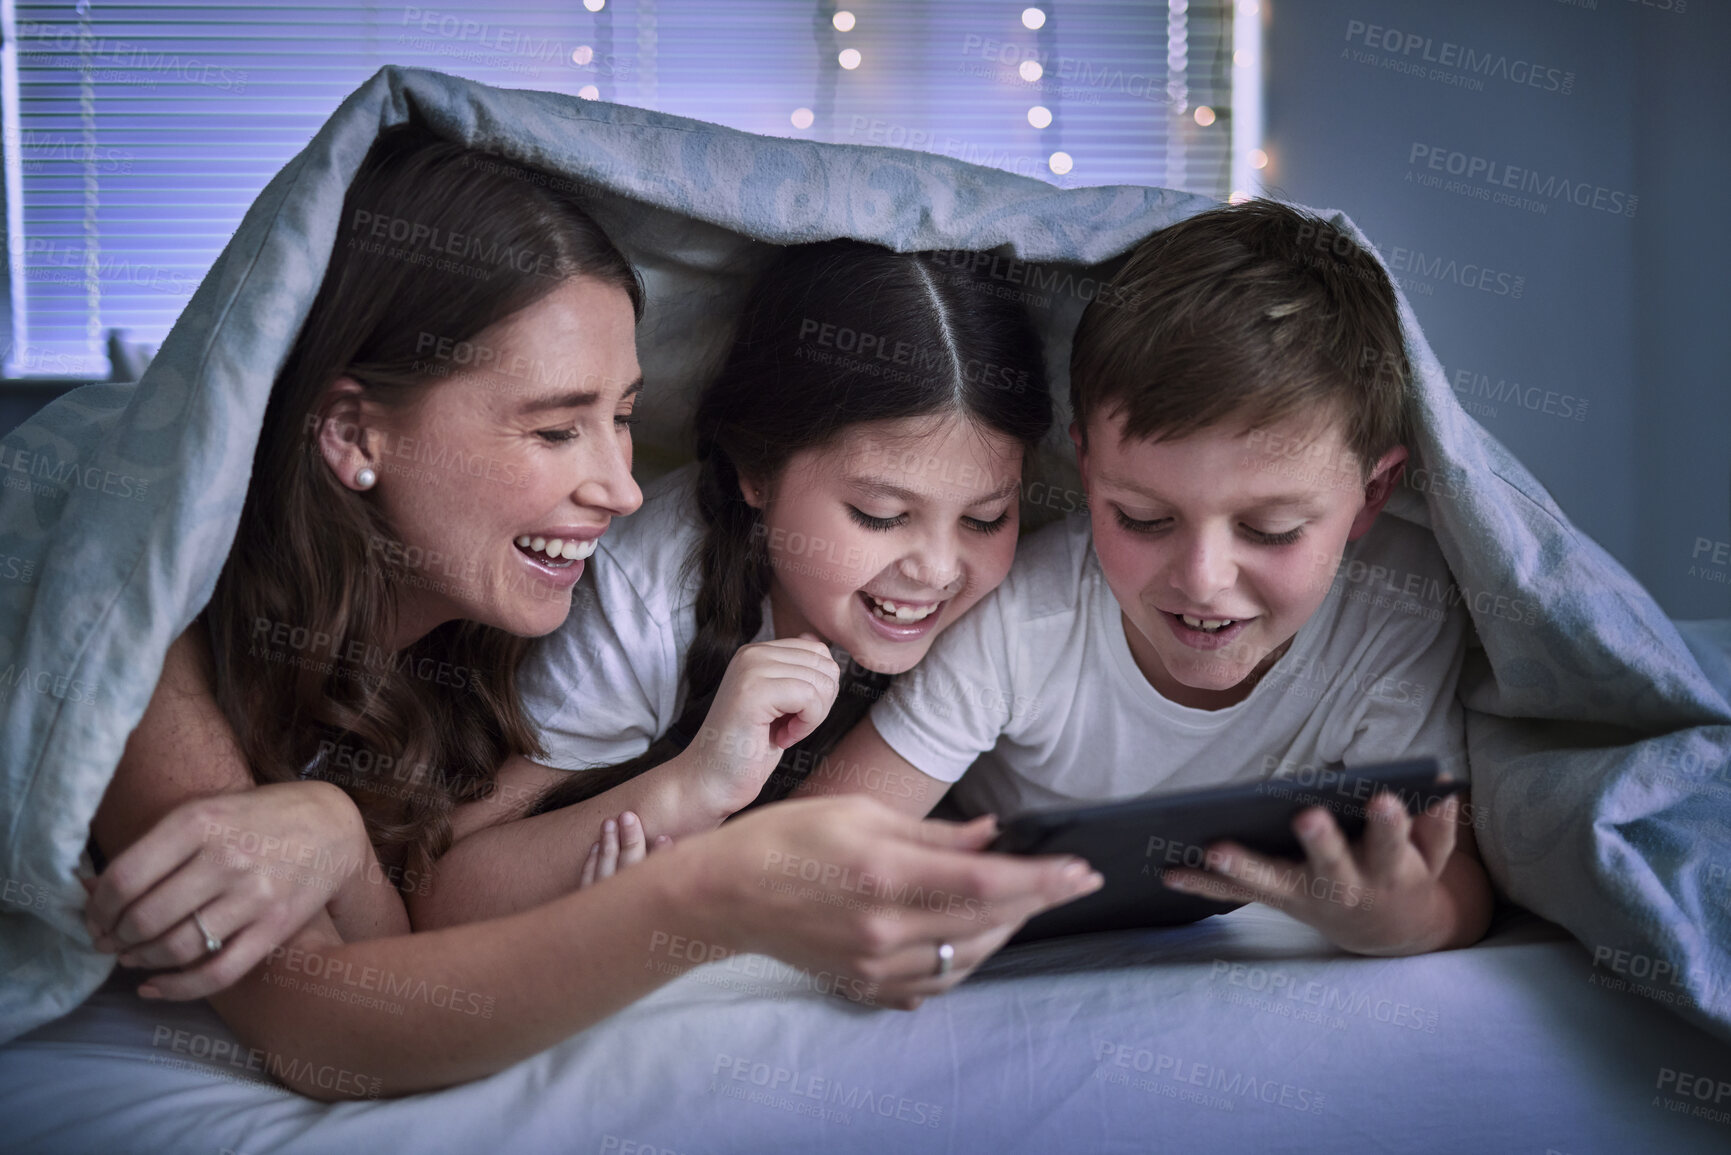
(1433, 832)
(1386, 832)
(1325, 847)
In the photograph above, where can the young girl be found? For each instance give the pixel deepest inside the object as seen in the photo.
(259, 825)
(857, 485)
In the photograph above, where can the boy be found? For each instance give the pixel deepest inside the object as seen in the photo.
(1229, 607)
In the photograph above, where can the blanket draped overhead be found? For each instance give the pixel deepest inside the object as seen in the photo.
(1599, 748)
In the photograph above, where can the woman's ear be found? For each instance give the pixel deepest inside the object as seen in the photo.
(349, 445)
(752, 490)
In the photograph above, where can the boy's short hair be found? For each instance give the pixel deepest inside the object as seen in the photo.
(1254, 311)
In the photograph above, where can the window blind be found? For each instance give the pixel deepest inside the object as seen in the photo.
(143, 131)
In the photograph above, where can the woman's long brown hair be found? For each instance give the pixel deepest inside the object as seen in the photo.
(436, 239)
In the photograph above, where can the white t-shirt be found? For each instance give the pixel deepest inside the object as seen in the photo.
(1037, 691)
(611, 680)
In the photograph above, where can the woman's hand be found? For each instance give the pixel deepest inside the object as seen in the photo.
(253, 865)
(773, 694)
(623, 843)
(849, 887)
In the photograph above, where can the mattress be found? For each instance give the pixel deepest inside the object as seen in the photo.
(1245, 1032)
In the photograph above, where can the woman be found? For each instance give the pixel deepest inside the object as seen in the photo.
(376, 599)
(859, 470)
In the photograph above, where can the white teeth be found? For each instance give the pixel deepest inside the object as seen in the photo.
(1206, 623)
(902, 613)
(558, 549)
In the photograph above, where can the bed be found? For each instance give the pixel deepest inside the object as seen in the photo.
(1245, 1032)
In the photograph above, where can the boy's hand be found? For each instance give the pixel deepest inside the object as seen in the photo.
(1384, 896)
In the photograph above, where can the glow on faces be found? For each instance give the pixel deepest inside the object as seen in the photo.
(1228, 524)
(483, 458)
(919, 513)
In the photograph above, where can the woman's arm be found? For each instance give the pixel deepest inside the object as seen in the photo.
(400, 1015)
(336, 1018)
(257, 862)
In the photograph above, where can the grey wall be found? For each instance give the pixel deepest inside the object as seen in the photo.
(1628, 314)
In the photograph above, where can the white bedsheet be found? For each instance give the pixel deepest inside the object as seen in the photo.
(1242, 1033)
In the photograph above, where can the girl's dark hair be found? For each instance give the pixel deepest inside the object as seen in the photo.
(435, 239)
(835, 334)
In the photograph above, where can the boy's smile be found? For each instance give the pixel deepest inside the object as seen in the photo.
(1220, 545)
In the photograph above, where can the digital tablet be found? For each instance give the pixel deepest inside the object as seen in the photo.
(1133, 842)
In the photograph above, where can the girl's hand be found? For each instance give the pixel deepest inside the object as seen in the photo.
(773, 694)
(848, 887)
(254, 865)
(623, 843)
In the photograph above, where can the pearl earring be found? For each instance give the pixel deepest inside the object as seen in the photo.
(365, 477)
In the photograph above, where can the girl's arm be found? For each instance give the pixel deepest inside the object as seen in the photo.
(773, 694)
(500, 862)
